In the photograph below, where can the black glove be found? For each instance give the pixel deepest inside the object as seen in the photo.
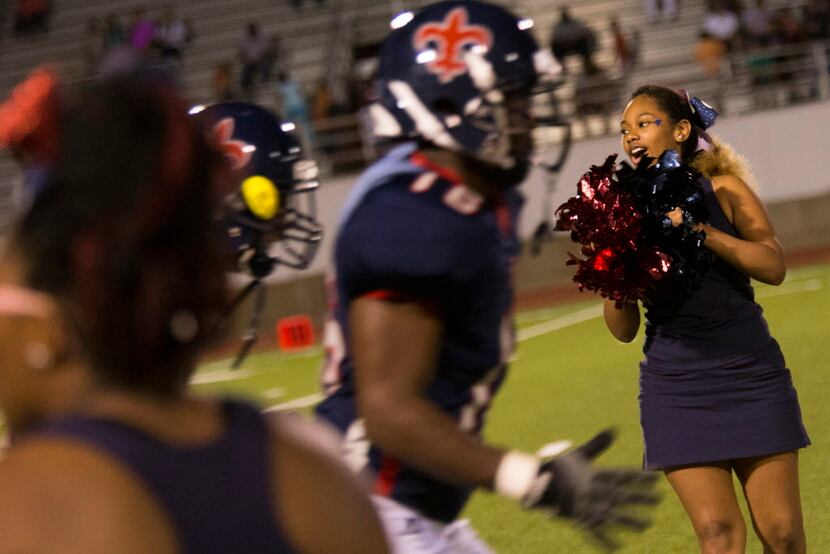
(595, 500)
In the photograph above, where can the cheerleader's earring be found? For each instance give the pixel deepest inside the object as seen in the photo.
(38, 356)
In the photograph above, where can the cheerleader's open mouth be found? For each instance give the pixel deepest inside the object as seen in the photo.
(636, 154)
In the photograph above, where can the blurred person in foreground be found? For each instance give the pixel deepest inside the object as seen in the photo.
(112, 284)
(422, 327)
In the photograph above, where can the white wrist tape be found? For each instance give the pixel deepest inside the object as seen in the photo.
(516, 473)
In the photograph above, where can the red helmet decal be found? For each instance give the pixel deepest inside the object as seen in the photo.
(239, 152)
(450, 37)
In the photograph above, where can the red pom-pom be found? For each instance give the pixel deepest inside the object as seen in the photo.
(604, 219)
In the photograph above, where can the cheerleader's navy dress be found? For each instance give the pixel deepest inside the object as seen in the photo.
(714, 384)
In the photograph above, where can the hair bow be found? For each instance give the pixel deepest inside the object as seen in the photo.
(703, 117)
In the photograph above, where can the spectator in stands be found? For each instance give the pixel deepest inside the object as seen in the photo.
(762, 67)
(710, 54)
(31, 16)
(657, 10)
(788, 28)
(114, 34)
(142, 30)
(756, 23)
(721, 22)
(625, 49)
(294, 108)
(272, 58)
(571, 36)
(595, 96)
(252, 51)
(816, 18)
(107, 297)
(172, 35)
(92, 46)
(790, 62)
(321, 102)
(222, 82)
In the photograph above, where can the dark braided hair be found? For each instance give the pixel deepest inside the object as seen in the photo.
(124, 233)
(677, 108)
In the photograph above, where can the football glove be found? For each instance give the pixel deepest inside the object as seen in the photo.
(596, 500)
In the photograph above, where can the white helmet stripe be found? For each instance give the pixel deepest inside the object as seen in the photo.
(480, 70)
(384, 123)
(427, 124)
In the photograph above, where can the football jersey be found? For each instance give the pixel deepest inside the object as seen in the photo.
(413, 230)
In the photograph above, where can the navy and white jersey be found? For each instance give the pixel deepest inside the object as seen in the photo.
(413, 231)
(218, 496)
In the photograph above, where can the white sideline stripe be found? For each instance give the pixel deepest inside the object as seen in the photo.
(560, 323)
(219, 376)
(273, 394)
(806, 272)
(301, 402)
(807, 285)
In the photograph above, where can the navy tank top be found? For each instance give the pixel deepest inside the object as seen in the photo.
(720, 318)
(217, 495)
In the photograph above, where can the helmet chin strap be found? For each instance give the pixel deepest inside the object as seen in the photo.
(496, 147)
(251, 334)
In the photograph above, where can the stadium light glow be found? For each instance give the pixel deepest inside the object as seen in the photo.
(401, 19)
(426, 56)
(525, 24)
(288, 127)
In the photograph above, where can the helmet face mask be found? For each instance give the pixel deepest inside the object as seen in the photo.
(454, 76)
(270, 217)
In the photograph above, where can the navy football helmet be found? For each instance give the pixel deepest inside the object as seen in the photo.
(446, 77)
(270, 216)
(266, 221)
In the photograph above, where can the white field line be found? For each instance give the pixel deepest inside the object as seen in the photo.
(806, 285)
(559, 323)
(301, 402)
(807, 272)
(219, 376)
(273, 394)
(542, 314)
(789, 287)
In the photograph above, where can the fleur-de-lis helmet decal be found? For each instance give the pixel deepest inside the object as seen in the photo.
(442, 76)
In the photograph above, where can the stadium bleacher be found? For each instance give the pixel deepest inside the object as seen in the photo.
(315, 37)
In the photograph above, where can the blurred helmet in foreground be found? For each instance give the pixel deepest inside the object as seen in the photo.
(270, 217)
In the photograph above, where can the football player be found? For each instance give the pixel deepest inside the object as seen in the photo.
(269, 213)
(422, 326)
